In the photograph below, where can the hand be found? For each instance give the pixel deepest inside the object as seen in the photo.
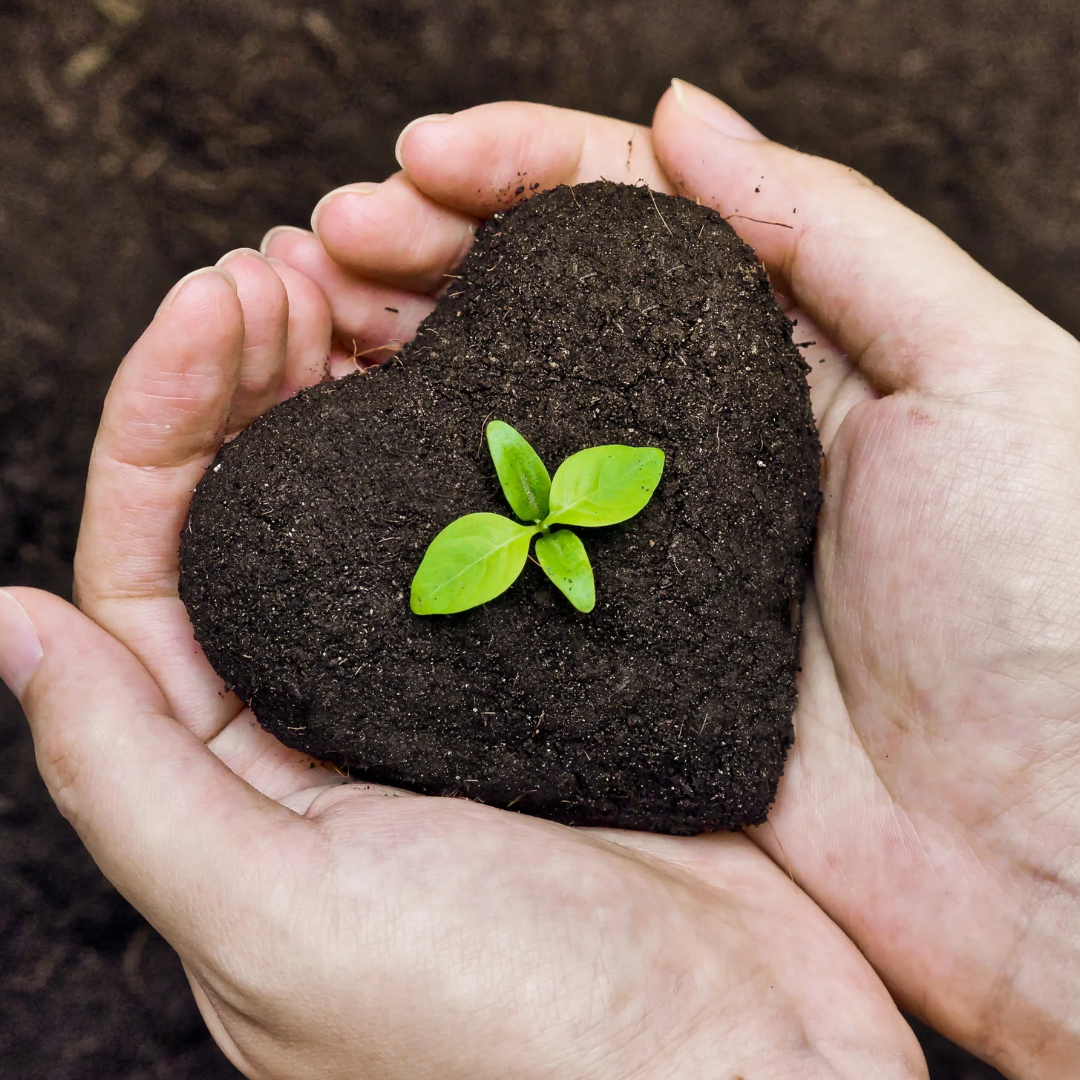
(932, 803)
(932, 800)
(341, 930)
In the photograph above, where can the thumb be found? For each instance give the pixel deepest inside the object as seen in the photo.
(179, 835)
(909, 306)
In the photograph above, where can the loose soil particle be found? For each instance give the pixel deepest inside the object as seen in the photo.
(597, 314)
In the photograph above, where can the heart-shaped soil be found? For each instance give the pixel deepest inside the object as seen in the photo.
(597, 314)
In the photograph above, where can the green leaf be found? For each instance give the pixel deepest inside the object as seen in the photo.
(469, 563)
(604, 485)
(525, 481)
(562, 557)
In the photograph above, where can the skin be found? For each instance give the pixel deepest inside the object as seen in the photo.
(930, 804)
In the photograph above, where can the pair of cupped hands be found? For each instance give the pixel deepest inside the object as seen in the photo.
(923, 849)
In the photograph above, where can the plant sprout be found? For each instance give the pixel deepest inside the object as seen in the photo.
(479, 556)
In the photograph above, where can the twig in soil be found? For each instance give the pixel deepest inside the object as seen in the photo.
(393, 343)
(661, 216)
(531, 791)
(760, 221)
(539, 722)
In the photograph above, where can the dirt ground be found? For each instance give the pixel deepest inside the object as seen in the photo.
(142, 138)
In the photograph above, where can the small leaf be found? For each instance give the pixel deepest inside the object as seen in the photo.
(525, 481)
(562, 557)
(604, 485)
(470, 562)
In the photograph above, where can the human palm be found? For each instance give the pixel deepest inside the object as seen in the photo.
(338, 929)
(931, 802)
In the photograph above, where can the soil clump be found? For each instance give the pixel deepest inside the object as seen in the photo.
(599, 314)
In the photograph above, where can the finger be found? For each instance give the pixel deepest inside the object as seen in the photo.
(162, 423)
(266, 764)
(484, 159)
(392, 233)
(265, 304)
(289, 777)
(185, 840)
(373, 319)
(307, 350)
(836, 384)
(890, 289)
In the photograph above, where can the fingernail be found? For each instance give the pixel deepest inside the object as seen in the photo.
(20, 647)
(712, 111)
(434, 118)
(365, 188)
(277, 230)
(237, 253)
(174, 293)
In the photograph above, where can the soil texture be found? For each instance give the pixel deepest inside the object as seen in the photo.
(603, 313)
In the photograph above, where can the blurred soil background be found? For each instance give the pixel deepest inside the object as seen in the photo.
(143, 138)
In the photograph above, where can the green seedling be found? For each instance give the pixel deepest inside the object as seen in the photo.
(479, 556)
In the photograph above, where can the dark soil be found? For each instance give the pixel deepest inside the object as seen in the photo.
(202, 124)
(599, 314)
